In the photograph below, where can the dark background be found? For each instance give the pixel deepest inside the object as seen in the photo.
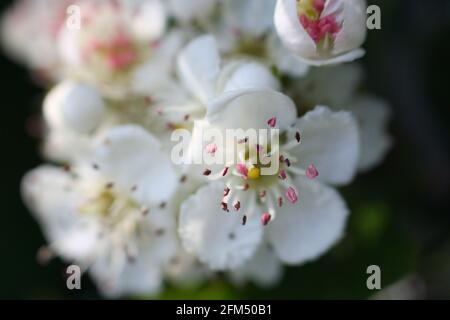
(400, 211)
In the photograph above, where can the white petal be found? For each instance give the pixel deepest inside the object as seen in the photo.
(170, 45)
(216, 237)
(332, 86)
(264, 269)
(304, 231)
(66, 146)
(251, 17)
(199, 66)
(186, 271)
(150, 78)
(331, 61)
(150, 21)
(373, 116)
(251, 109)
(245, 75)
(136, 279)
(130, 156)
(290, 31)
(330, 141)
(68, 49)
(286, 61)
(354, 29)
(74, 106)
(50, 194)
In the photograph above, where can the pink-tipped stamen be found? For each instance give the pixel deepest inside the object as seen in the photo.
(283, 175)
(311, 172)
(291, 195)
(211, 148)
(265, 218)
(272, 122)
(242, 169)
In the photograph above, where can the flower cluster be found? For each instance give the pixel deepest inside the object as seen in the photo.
(115, 203)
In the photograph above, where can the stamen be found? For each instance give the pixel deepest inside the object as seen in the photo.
(244, 220)
(272, 122)
(237, 205)
(262, 194)
(265, 218)
(297, 136)
(291, 195)
(225, 171)
(282, 175)
(311, 172)
(245, 187)
(109, 185)
(245, 140)
(207, 172)
(225, 206)
(280, 201)
(183, 178)
(211, 148)
(288, 162)
(226, 191)
(242, 169)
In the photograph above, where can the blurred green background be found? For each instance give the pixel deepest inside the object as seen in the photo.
(400, 211)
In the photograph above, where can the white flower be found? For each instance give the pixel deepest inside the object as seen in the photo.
(339, 88)
(202, 77)
(304, 218)
(115, 41)
(107, 216)
(322, 32)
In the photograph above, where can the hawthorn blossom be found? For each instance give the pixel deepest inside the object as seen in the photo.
(108, 216)
(120, 208)
(225, 221)
(117, 41)
(322, 32)
(340, 88)
(202, 77)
